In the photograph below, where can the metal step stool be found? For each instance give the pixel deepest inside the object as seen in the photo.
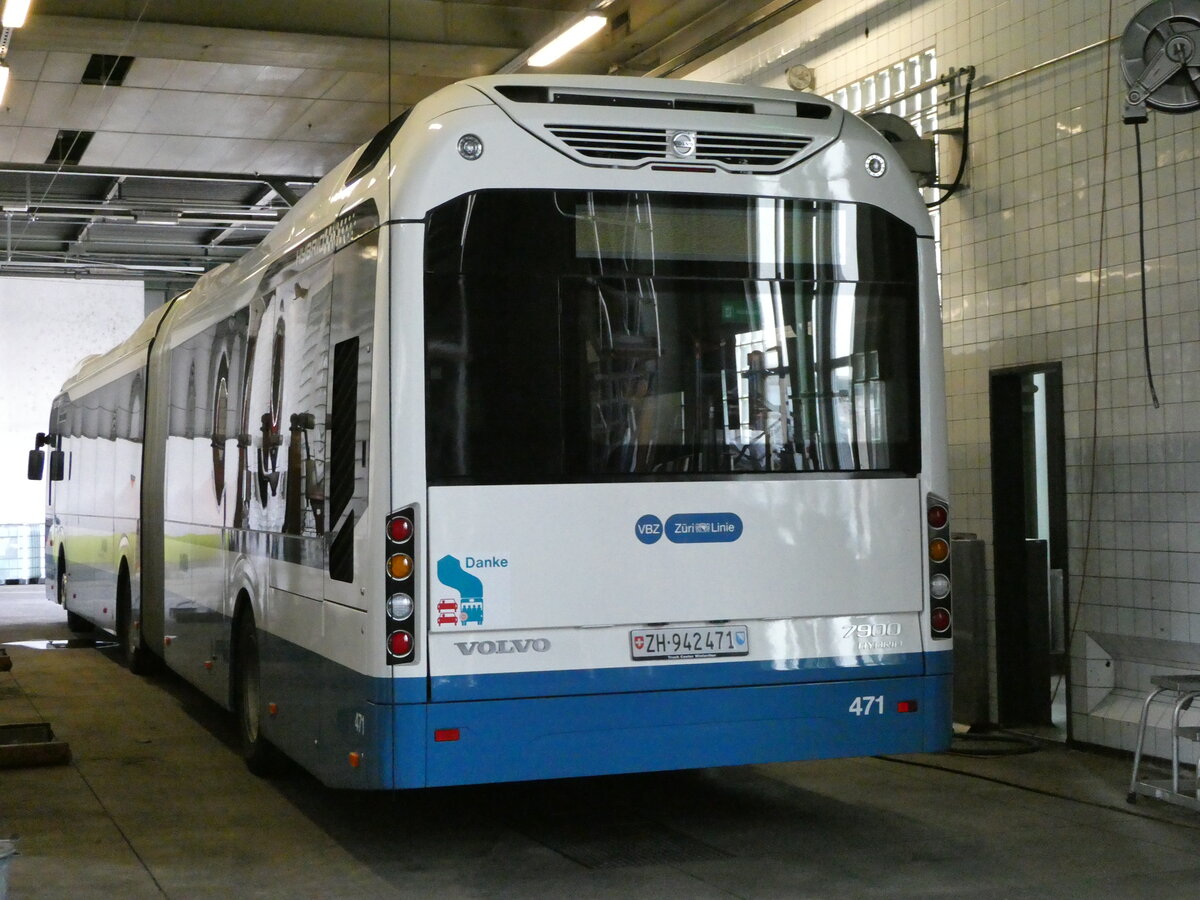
(1186, 688)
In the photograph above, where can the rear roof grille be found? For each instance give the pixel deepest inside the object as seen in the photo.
(527, 93)
(748, 149)
(733, 150)
(605, 142)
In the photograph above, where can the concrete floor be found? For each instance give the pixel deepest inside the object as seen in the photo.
(156, 803)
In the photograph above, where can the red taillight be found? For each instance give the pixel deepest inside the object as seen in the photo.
(442, 735)
(938, 516)
(400, 529)
(400, 643)
(939, 619)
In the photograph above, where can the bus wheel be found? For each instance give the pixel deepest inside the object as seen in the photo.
(60, 579)
(129, 631)
(75, 622)
(256, 751)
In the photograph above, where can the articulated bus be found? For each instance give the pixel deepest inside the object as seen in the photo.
(572, 426)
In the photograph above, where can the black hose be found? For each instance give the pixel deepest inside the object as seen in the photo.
(956, 184)
(1137, 143)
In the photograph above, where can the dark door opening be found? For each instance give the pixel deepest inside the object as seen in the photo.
(1029, 516)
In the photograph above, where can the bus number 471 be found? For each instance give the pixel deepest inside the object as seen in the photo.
(865, 706)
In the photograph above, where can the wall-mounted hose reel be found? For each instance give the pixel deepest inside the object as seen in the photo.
(1160, 59)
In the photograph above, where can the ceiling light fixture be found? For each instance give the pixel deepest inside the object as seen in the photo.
(3, 79)
(568, 40)
(150, 217)
(15, 13)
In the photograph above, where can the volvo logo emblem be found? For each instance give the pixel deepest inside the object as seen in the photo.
(683, 144)
(517, 645)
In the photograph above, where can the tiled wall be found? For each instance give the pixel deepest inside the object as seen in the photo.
(1040, 265)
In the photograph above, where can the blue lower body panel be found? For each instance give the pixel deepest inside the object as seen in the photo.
(328, 714)
(604, 734)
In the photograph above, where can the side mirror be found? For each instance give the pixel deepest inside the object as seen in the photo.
(37, 463)
(57, 465)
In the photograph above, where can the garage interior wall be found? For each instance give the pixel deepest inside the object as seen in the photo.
(1040, 265)
(49, 325)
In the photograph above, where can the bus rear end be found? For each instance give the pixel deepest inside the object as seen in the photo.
(679, 509)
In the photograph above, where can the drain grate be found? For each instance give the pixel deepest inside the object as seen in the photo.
(621, 843)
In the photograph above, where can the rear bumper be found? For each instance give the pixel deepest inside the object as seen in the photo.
(605, 734)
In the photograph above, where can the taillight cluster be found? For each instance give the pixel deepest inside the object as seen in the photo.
(937, 515)
(401, 580)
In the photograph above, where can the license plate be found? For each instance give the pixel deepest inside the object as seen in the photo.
(689, 643)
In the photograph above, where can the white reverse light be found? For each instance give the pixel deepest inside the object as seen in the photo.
(568, 40)
(400, 606)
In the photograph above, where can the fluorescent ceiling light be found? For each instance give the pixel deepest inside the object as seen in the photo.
(568, 40)
(149, 217)
(15, 12)
(3, 80)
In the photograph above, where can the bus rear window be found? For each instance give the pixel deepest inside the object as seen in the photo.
(576, 336)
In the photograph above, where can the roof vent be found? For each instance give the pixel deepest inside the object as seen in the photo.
(739, 152)
(106, 71)
(69, 147)
(526, 93)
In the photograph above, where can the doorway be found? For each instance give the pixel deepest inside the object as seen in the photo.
(1029, 517)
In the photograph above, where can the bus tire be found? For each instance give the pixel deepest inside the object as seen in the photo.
(257, 752)
(129, 629)
(75, 622)
(60, 579)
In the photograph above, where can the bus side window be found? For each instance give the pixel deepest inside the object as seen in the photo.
(347, 450)
(220, 426)
(136, 399)
(342, 420)
(268, 451)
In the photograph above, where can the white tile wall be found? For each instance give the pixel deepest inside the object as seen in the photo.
(1040, 263)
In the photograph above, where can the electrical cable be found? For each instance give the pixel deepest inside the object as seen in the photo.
(1089, 517)
(1141, 202)
(956, 184)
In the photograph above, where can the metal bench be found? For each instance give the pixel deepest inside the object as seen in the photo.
(1186, 688)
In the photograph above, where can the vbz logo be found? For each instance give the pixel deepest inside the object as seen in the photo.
(648, 529)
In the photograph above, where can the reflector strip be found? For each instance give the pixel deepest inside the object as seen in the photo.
(445, 734)
(906, 706)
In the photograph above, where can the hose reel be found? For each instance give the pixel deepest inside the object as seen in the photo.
(1160, 59)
